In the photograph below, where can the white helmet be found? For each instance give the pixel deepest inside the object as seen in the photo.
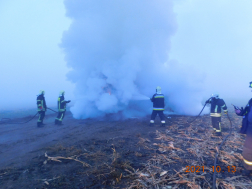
(158, 89)
(215, 95)
(41, 92)
(62, 93)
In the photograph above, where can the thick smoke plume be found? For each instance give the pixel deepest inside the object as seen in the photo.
(118, 52)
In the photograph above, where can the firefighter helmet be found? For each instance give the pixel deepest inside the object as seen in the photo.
(250, 84)
(62, 93)
(41, 92)
(158, 89)
(215, 95)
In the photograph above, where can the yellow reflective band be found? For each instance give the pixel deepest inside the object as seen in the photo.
(38, 100)
(151, 121)
(214, 128)
(60, 119)
(218, 130)
(159, 97)
(159, 109)
(216, 107)
(162, 121)
(223, 106)
(215, 114)
(247, 162)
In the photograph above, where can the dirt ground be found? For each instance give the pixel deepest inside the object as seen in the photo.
(95, 153)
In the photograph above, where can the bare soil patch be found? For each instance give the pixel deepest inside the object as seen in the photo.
(97, 153)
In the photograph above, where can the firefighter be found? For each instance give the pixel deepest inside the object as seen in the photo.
(61, 108)
(41, 104)
(158, 107)
(217, 105)
(247, 129)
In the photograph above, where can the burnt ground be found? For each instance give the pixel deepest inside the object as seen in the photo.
(96, 153)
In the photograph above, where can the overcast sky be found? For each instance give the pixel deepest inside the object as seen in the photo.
(213, 37)
(30, 58)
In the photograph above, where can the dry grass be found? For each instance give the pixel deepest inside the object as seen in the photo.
(182, 146)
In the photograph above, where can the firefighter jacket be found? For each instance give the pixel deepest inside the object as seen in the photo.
(245, 112)
(158, 102)
(41, 103)
(216, 106)
(62, 104)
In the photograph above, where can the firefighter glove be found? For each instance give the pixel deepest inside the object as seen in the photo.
(237, 111)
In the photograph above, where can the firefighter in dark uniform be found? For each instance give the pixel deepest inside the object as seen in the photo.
(158, 106)
(41, 104)
(217, 105)
(61, 108)
(247, 129)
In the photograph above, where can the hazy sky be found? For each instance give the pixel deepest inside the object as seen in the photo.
(30, 58)
(213, 38)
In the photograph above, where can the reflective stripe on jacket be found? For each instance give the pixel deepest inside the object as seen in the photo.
(158, 102)
(41, 103)
(61, 104)
(216, 106)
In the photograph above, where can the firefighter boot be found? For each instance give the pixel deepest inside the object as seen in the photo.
(162, 123)
(218, 133)
(60, 123)
(151, 123)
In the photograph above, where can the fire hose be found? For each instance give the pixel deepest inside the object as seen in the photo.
(8, 120)
(200, 111)
(217, 153)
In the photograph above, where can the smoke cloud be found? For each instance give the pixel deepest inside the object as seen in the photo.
(118, 52)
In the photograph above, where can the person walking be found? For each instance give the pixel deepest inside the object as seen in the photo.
(217, 104)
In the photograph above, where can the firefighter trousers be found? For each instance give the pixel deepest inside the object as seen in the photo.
(247, 149)
(41, 117)
(161, 115)
(60, 117)
(216, 122)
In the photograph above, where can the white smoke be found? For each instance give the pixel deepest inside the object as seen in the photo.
(118, 52)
